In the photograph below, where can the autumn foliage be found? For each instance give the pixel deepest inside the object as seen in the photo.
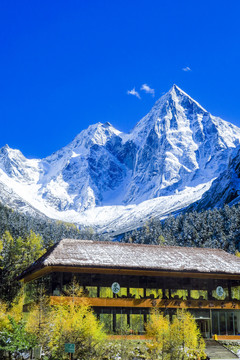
(176, 339)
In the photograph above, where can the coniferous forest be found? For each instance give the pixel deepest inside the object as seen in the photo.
(217, 228)
(51, 231)
(23, 239)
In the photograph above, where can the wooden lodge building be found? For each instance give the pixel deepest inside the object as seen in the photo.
(123, 282)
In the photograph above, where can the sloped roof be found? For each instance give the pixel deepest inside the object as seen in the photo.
(115, 255)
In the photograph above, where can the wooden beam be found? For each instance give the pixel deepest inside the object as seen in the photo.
(44, 271)
(146, 303)
(134, 272)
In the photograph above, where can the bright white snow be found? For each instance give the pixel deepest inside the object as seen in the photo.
(113, 181)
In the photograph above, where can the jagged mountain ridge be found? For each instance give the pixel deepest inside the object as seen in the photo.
(110, 179)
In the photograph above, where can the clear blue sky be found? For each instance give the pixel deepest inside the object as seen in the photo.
(67, 64)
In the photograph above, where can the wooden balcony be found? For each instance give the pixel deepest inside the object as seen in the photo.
(148, 303)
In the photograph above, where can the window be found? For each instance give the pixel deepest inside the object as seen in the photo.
(106, 292)
(107, 320)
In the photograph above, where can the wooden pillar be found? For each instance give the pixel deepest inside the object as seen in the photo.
(114, 321)
(164, 293)
(209, 293)
(144, 293)
(210, 287)
(61, 282)
(229, 290)
(51, 284)
(128, 319)
(164, 288)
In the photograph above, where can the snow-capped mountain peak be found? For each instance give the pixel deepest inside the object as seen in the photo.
(178, 94)
(167, 161)
(14, 164)
(171, 112)
(97, 134)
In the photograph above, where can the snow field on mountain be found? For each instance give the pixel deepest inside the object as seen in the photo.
(111, 180)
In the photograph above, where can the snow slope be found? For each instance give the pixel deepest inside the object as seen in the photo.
(114, 181)
(225, 189)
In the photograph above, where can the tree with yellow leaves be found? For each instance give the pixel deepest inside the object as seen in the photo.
(158, 330)
(189, 342)
(14, 337)
(76, 324)
(39, 320)
(16, 254)
(176, 340)
(14, 311)
(3, 315)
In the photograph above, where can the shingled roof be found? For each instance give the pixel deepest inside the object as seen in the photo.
(115, 255)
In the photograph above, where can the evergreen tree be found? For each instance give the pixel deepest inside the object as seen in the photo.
(16, 255)
(217, 228)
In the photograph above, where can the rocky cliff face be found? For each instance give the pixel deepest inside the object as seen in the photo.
(225, 189)
(109, 179)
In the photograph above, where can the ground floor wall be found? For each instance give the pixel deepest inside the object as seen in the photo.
(123, 320)
(225, 322)
(210, 322)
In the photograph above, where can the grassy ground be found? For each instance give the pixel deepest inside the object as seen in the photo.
(233, 345)
(127, 349)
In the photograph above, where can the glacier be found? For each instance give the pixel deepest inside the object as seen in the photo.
(114, 181)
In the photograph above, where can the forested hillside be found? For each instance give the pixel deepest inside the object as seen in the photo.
(217, 228)
(50, 230)
(23, 239)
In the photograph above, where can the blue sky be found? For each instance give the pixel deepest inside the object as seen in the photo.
(67, 64)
